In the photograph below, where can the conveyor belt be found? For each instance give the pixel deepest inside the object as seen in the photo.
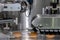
(50, 31)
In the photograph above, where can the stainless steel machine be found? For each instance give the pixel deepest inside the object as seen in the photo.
(48, 19)
(25, 17)
(14, 17)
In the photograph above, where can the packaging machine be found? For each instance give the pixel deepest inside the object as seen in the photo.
(48, 20)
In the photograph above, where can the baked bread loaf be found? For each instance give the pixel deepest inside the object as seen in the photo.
(33, 35)
(17, 34)
(50, 36)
